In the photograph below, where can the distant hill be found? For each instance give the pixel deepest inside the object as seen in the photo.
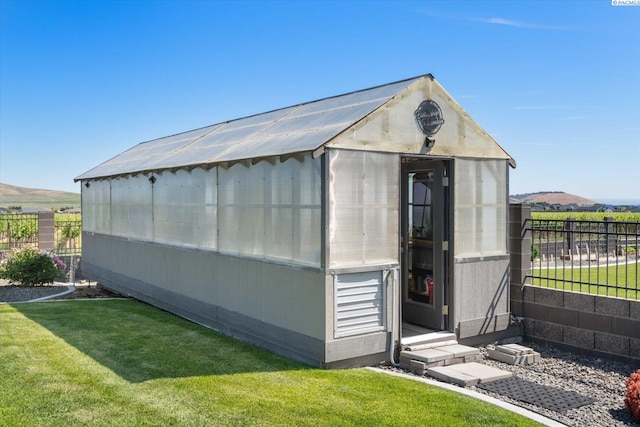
(10, 195)
(552, 198)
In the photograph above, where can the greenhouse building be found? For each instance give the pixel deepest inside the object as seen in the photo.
(323, 231)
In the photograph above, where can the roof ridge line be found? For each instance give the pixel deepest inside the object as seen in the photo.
(291, 106)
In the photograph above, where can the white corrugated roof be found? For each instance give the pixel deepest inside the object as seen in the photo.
(301, 128)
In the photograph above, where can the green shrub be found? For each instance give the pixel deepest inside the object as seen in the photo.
(29, 266)
(534, 252)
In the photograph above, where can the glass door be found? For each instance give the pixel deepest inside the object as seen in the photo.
(420, 239)
(423, 235)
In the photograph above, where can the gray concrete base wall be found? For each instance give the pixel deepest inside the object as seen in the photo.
(277, 307)
(285, 296)
(481, 296)
(601, 325)
(279, 340)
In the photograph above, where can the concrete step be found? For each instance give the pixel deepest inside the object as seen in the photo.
(430, 340)
(419, 361)
(467, 374)
(439, 355)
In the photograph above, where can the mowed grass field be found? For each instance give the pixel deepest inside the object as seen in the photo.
(125, 363)
(619, 280)
(615, 281)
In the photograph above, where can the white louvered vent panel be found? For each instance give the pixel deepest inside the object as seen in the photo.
(360, 303)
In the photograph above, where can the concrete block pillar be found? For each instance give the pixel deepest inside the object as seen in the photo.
(46, 231)
(520, 240)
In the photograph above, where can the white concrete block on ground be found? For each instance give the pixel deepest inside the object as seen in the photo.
(484, 373)
(514, 349)
(511, 359)
(514, 354)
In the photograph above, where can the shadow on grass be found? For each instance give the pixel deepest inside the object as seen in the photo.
(140, 342)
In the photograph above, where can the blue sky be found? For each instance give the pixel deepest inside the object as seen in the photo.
(556, 83)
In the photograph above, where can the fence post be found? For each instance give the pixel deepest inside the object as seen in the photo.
(46, 230)
(609, 236)
(519, 253)
(570, 228)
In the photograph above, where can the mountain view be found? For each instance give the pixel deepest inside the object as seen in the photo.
(11, 195)
(552, 198)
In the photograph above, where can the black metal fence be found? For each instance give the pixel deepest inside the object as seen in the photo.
(598, 257)
(59, 234)
(18, 230)
(68, 236)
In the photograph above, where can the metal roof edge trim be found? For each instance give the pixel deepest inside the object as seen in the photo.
(206, 166)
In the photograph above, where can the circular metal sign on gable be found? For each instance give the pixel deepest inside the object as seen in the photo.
(429, 117)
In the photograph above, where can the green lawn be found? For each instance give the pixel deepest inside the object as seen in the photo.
(624, 277)
(126, 363)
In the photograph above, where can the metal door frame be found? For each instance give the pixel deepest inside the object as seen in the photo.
(433, 316)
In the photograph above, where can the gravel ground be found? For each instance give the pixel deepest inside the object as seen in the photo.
(12, 293)
(599, 379)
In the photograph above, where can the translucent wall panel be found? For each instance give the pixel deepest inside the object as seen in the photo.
(364, 200)
(279, 231)
(88, 208)
(96, 207)
(271, 210)
(307, 210)
(131, 207)
(241, 209)
(184, 211)
(480, 207)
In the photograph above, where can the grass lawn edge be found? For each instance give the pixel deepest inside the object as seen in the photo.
(474, 394)
(125, 364)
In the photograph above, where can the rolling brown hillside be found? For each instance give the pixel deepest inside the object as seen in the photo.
(552, 198)
(10, 195)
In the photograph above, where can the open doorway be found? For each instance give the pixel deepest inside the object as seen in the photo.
(425, 229)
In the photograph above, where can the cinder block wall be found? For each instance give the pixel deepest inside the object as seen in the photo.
(601, 325)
